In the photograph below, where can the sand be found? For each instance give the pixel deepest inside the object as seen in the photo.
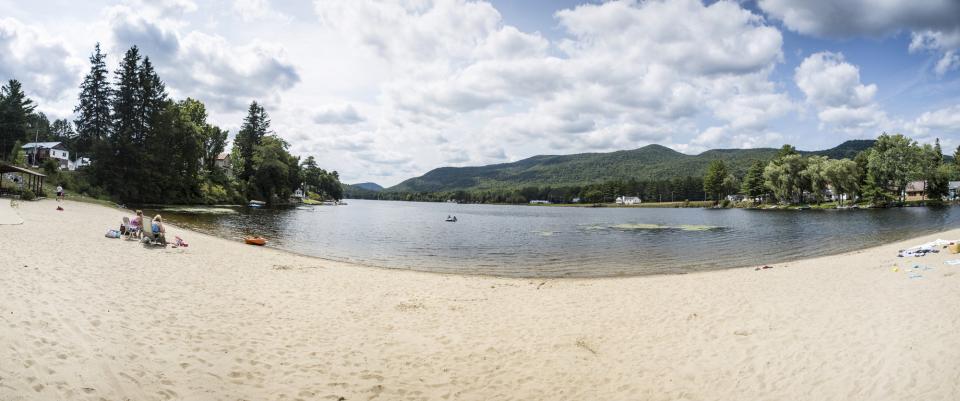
(83, 317)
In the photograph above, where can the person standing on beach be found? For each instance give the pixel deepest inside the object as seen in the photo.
(59, 193)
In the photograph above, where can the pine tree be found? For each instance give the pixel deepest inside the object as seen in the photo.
(255, 126)
(15, 109)
(93, 110)
(118, 164)
(753, 185)
(153, 98)
(713, 181)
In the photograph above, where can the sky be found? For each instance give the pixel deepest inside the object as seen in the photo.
(387, 90)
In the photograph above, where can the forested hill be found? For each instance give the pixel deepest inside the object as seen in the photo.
(651, 162)
(369, 186)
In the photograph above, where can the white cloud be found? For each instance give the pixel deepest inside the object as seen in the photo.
(338, 115)
(626, 74)
(945, 120)
(934, 24)
(253, 10)
(832, 86)
(43, 64)
(203, 66)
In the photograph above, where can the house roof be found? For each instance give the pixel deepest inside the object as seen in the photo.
(954, 185)
(43, 145)
(223, 156)
(915, 186)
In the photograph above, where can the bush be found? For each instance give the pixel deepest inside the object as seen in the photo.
(725, 203)
(28, 195)
(51, 166)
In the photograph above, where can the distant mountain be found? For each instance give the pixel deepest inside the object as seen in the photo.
(369, 186)
(647, 163)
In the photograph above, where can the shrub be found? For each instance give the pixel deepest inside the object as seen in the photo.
(51, 167)
(725, 203)
(28, 195)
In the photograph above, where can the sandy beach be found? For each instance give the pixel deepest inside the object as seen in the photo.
(83, 317)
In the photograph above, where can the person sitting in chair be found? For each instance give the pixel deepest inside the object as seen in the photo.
(158, 230)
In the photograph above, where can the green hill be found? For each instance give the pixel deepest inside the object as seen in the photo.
(369, 186)
(651, 162)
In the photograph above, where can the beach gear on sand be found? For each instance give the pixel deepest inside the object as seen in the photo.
(255, 241)
(954, 262)
(111, 233)
(59, 208)
(930, 247)
(179, 242)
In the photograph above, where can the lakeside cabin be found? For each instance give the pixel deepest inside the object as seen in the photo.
(628, 200)
(37, 152)
(953, 190)
(540, 202)
(915, 191)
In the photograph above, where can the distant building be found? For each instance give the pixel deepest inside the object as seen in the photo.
(954, 190)
(915, 190)
(37, 152)
(80, 162)
(223, 161)
(575, 200)
(539, 202)
(628, 200)
(735, 198)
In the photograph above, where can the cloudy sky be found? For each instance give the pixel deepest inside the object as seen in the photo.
(385, 90)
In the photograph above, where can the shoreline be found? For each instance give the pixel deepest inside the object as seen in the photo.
(87, 317)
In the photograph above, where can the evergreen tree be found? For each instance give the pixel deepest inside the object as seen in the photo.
(152, 98)
(255, 126)
(120, 163)
(753, 182)
(15, 109)
(39, 128)
(956, 157)
(713, 180)
(93, 109)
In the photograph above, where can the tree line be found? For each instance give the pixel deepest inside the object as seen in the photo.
(676, 189)
(878, 175)
(148, 148)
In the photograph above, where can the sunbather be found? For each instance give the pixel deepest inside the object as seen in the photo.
(158, 230)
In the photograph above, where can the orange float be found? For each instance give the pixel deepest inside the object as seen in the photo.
(255, 241)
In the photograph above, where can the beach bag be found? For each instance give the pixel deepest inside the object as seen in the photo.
(112, 234)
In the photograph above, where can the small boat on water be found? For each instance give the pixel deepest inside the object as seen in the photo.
(256, 204)
(451, 219)
(255, 241)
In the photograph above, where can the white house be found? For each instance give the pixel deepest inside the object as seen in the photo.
(539, 202)
(954, 190)
(39, 151)
(80, 162)
(628, 200)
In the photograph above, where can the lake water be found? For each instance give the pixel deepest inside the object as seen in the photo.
(525, 241)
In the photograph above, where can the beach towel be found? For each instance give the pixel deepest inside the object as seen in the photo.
(112, 234)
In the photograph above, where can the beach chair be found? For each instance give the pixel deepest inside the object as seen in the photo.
(130, 230)
(152, 238)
